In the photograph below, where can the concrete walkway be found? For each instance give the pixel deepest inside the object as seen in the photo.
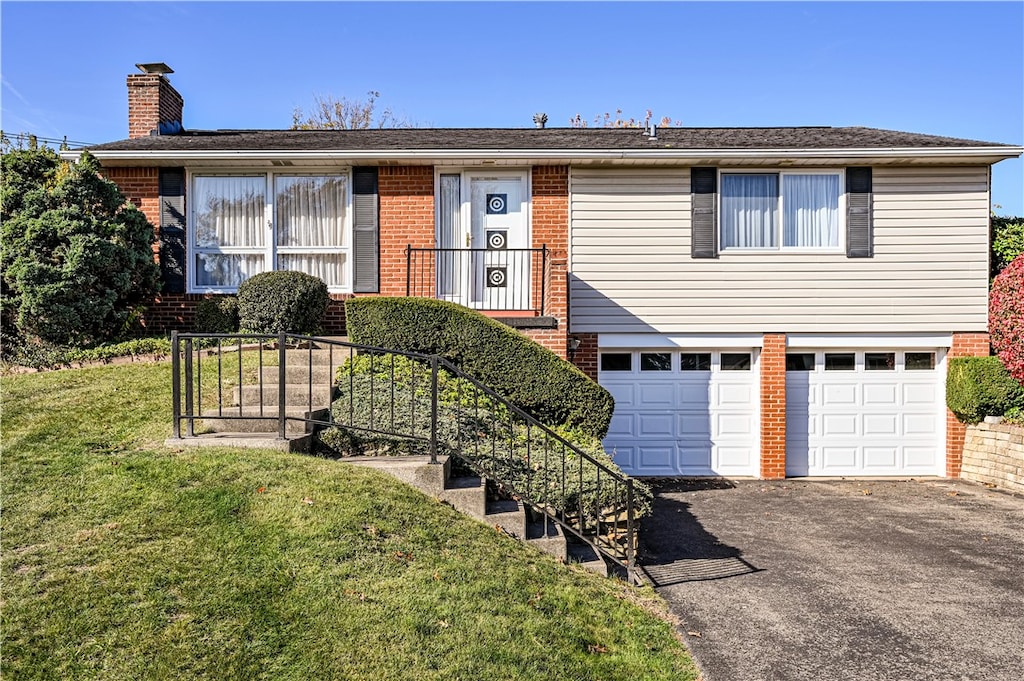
(833, 580)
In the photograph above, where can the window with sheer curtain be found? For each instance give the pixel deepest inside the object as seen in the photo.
(794, 210)
(247, 224)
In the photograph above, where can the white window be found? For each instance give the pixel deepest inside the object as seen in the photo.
(788, 210)
(244, 224)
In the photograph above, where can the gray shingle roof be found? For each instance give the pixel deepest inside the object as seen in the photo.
(398, 139)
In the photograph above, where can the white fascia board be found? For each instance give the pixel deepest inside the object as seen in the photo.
(873, 340)
(994, 153)
(707, 341)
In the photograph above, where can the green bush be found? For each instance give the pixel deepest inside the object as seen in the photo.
(526, 374)
(384, 399)
(1007, 241)
(273, 302)
(40, 355)
(977, 387)
(78, 260)
(217, 315)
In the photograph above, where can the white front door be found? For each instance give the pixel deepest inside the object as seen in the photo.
(683, 412)
(483, 236)
(864, 412)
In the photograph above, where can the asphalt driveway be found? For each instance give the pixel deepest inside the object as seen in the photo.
(834, 580)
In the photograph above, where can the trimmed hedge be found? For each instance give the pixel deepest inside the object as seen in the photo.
(977, 387)
(383, 398)
(217, 315)
(273, 302)
(526, 374)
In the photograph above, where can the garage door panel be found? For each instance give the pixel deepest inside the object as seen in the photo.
(695, 425)
(734, 458)
(735, 395)
(622, 426)
(624, 394)
(919, 394)
(694, 394)
(919, 457)
(658, 458)
(920, 424)
(860, 422)
(882, 457)
(657, 395)
(839, 425)
(880, 394)
(656, 425)
(839, 458)
(837, 395)
(695, 458)
(623, 455)
(728, 425)
(881, 424)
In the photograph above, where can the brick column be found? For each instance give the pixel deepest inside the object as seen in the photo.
(964, 345)
(773, 406)
(550, 226)
(406, 217)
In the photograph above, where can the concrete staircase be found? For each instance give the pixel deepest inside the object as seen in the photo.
(308, 392)
(468, 494)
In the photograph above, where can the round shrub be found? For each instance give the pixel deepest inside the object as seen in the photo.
(217, 315)
(1006, 317)
(977, 387)
(275, 302)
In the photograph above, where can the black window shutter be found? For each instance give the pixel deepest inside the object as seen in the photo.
(365, 231)
(703, 216)
(859, 227)
(172, 229)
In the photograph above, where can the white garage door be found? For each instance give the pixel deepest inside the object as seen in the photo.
(865, 412)
(685, 412)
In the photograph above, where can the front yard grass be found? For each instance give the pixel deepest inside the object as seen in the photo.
(124, 560)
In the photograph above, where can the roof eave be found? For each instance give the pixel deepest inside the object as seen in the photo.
(994, 153)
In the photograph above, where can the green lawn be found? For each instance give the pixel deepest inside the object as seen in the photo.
(125, 560)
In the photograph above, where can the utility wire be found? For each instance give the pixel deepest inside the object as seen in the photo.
(24, 137)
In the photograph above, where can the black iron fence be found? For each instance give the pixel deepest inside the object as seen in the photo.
(377, 400)
(505, 279)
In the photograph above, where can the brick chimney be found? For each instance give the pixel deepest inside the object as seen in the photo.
(154, 106)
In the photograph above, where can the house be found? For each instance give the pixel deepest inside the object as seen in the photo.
(760, 301)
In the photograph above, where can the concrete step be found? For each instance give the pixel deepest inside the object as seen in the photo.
(466, 494)
(318, 357)
(254, 422)
(296, 395)
(321, 373)
(508, 514)
(586, 556)
(547, 536)
(298, 443)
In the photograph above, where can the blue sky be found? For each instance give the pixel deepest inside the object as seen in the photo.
(943, 68)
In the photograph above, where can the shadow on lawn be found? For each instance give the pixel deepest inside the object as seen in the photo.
(674, 546)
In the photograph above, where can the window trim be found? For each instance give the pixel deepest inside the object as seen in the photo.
(270, 249)
(839, 248)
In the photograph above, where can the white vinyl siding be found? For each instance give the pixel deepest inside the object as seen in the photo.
(631, 270)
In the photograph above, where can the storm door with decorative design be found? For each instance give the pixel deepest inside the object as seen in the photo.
(484, 261)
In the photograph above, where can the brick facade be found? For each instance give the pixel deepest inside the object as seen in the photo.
(550, 227)
(406, 217)
(773, 406)
(585, 356)
(964, 345)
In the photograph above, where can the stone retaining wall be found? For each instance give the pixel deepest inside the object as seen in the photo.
(994, 454)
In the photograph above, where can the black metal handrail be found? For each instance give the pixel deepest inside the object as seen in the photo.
(506, 279)
(491, 436)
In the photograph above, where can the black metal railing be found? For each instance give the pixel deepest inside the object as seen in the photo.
(507, 279)
(295, 384)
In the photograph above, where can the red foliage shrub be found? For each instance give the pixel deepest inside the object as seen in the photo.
(1006, 317)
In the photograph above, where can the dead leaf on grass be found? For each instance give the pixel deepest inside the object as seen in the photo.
(596, 648)
(307, 501)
